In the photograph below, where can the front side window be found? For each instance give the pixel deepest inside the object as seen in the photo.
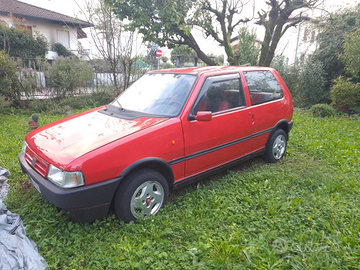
(263, 86)
(157, 93)
(218, 96)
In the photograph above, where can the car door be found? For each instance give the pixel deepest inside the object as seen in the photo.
(267, 104)
(225, 137)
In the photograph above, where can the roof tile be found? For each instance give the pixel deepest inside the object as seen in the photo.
(23, 9)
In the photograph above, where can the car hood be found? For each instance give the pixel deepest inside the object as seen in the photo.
(62, 142)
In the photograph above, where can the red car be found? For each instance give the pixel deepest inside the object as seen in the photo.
(169, 129)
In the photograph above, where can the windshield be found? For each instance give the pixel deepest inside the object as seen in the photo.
(157, 93)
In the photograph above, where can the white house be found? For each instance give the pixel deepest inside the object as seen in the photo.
(56, 27)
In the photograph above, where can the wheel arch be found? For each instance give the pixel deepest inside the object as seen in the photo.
(154, 163)
(284, 125)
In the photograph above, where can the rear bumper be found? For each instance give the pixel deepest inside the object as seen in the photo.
(85, 203)
(290, 125)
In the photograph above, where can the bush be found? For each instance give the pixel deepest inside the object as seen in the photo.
(311, 89)
(92, 100)
(42, 105)
(31, 75)
(9, 86)
(344, 93)
(322, 110)
(19, 42)
(62, 51)
(247, 49)
(4, 105)
(101, 98)
(306, 84)
(68, 104)
(69, 74)
(290, 75)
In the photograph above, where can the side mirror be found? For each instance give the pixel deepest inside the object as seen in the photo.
(202, 116)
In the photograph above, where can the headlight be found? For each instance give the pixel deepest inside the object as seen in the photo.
(23, 147)
(65, 179)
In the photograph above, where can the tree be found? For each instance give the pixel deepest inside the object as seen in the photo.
(182, 53)
(151, 57)
(351, 55)
(311, 84)
(17, 42)
(346, 92)
(331, 39)
(219, 59)
(248, 52)
(290, 75)
(9, 85)
(276, 21)
(170, 23)
(100, 65)
(113, 43)
(220, 19)
(68, 74)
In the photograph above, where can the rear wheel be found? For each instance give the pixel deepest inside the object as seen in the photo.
(141, 194)
(276, 146)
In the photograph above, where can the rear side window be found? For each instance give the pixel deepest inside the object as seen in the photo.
(263, 86)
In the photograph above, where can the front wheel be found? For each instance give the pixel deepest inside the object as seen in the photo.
(276, 146)
(141, 194)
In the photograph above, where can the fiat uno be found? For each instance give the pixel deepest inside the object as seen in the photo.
(168, 129)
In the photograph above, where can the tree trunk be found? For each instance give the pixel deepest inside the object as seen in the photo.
(232, 59)
(276, 25)
(191, 42)
(264, 50)
(269, 46)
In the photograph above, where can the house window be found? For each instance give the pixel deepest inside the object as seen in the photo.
(26, 27)
(63, 38)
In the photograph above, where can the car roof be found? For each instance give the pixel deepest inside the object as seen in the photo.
(210, 70)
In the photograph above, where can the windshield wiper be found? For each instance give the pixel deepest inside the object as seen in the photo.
(120, 107)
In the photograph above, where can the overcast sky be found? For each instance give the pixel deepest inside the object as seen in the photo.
(67, 7)
(71, 8)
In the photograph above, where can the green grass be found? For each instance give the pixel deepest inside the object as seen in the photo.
(301, 213)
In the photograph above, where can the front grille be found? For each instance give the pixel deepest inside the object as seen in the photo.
(39, 164)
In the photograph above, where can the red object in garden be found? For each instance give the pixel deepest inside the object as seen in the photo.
(33, 124)
(169, 129)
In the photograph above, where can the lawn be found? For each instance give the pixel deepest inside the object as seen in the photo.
(301, 213)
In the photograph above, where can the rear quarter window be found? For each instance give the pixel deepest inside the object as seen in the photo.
(263, 86)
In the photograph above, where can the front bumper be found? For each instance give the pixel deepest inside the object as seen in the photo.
(85, 203)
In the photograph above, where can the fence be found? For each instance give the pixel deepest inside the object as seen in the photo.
(35, 80)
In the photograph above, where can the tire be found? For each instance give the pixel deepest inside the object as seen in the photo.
(141, 194)
(276, 146)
